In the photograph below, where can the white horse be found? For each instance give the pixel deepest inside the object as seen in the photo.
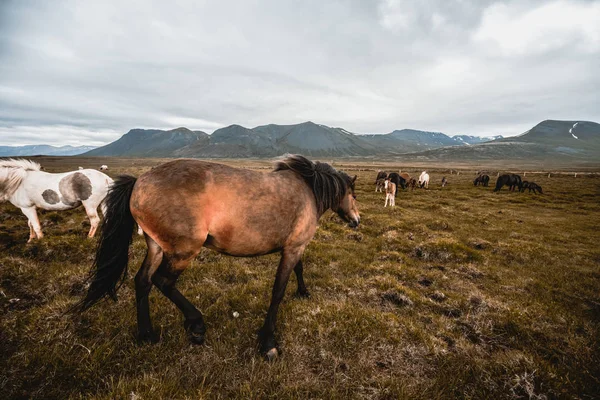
(25, 185)
(424, 180)
(390, 193)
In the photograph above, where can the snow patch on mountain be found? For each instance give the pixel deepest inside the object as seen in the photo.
(571, 130)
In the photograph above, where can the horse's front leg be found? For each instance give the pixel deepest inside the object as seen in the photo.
(266, 334)
(33, 222)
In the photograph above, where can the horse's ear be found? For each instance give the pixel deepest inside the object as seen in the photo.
(354, 179)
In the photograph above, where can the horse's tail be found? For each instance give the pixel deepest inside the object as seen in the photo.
(112, 254)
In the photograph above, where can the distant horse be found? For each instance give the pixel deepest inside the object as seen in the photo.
(482, 180)
(25, 185)
(511, 180)
(103, 167)
(380, 185)
(412, 183)
(390, 193)
(424, 180)
(444, 181)
(532, 186)
(381, 175)
(398, 180)
(184, 205)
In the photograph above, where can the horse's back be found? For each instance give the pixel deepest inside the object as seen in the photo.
(186, 203)
(61, 191)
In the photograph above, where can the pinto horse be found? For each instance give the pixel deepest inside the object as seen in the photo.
(26, 186)
(184, 205)
(511, 180)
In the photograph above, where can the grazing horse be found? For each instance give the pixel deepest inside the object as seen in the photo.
(405, 176)
(481, 180)
(381, 175)
(524, 185)
(398, 180)
(184, 205)
(532, 186)
(390, 193)
(412, 183)
(380, 185)
(424, 180)
(25, 185)
(511, 180)
(444, 181)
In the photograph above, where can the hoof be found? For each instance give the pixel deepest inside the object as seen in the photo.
(272, 354)
(268, 346)
(195, 330)
(196, 338)
(147, 337)
(303, 295)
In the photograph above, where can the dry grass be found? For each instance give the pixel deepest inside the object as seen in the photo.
(456, 292)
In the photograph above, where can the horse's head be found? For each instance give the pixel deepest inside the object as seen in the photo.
(347, 209)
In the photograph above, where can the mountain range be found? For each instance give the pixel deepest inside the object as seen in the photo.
(43, 149)
(548, 140)
(272, 140)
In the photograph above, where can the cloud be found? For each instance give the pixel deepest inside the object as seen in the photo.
(550, 26)
(63, 135)
(73, 72)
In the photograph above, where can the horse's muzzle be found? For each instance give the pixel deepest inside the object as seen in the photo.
(354, 223)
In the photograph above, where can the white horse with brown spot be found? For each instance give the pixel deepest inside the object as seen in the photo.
(25, 185)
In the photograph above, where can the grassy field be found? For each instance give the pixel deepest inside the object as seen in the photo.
(457, 292)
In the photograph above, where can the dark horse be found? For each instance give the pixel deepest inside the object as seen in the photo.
(398, 179)
(481, 180)
(511, 180)
(184, 205)
(381, 175)
(532, 186)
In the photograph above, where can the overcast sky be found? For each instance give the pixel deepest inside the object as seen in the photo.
(83, 72)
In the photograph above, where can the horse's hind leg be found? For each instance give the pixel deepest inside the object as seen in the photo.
(92, 213)
(266, 334)
(164, 279)
(33, 222)
(31, 231)
(302, 291)
(143, 284)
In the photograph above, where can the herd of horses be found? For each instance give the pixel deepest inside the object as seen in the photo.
(184, 205)
(391, 181)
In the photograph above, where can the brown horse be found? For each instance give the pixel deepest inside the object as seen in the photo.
(184, 205)
(412, 183)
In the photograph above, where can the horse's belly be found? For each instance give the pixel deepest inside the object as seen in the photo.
(240, 249)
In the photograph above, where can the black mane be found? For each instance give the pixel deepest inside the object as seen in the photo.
(328, 185)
